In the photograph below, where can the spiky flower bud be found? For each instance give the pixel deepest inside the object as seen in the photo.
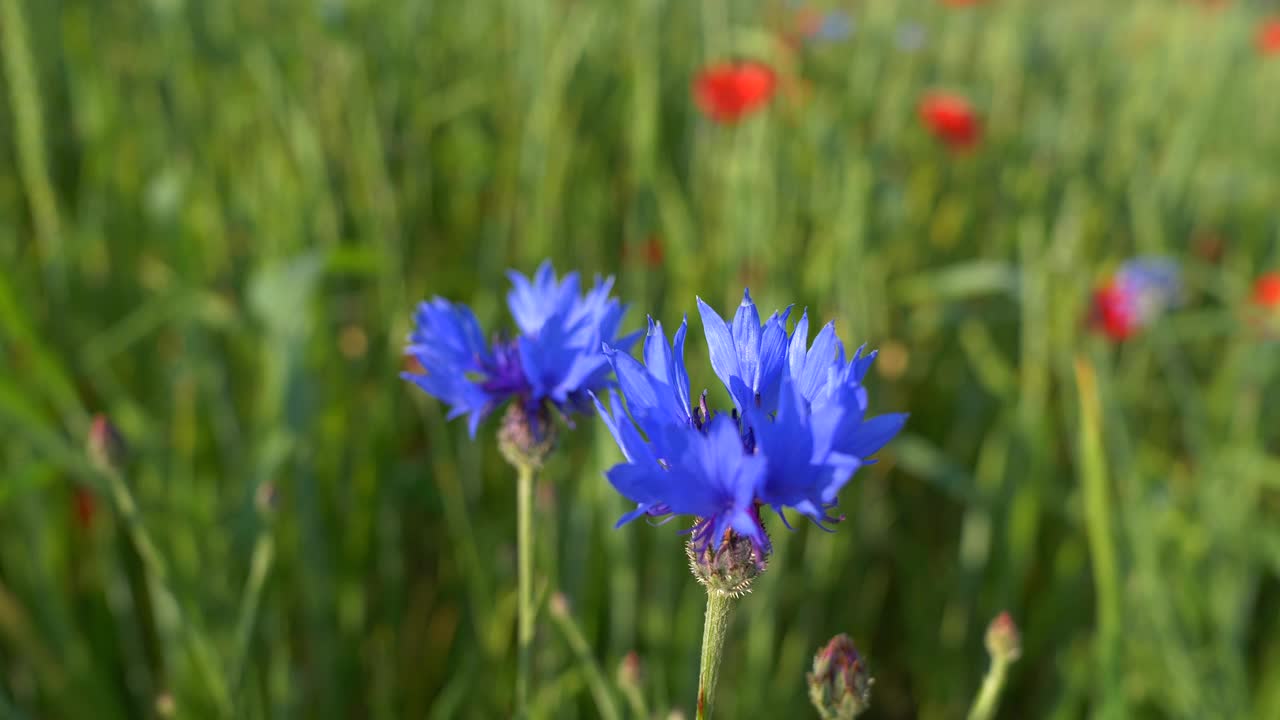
(727, 568)
(105, 446)
(525, 439)
(839, 686)
(1004, 642)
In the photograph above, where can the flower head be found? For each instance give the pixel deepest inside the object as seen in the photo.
(795, 436)
(1269, 37)
(951, 119)
(1263, 313)
(554, 361)
(809, 24)
(729, 91)
(1266, 291)
(1141, 291)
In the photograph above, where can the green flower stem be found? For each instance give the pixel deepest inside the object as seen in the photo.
(525, 608)
(714, 629)
(988, 699)
(599, 687)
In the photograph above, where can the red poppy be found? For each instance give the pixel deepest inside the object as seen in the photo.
(648, 253)
(1266, 291)
(86, 507)
(951, 119)
(1269, 37)
(729, 91)
(1112, 313)
(961, 3)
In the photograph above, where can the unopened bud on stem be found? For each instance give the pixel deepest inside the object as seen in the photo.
(839, 686)
(525, 439)
(105, 446)
(1004, 643)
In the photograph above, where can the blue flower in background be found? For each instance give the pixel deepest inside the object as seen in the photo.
(796, 435)
(1154, 284)
(1141, 291)
(911, 37)
(836, 25)
(553, 362)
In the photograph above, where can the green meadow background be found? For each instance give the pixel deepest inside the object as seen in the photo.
(216, 219)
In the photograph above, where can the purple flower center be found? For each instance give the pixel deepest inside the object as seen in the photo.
(504, 374)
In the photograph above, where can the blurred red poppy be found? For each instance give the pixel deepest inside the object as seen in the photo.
(729, 91)
(1266, 291)
(1112, 314)
(86, 507)
(1269, 37)
(951, 119)
(961, 3)
(648, 253)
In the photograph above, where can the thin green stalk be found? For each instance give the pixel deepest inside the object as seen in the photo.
(1098, 532)
(525, 608)
(28, 128)
(596, 682)
(264, 550)
(157, 574)
(714, 629)
(988, 699)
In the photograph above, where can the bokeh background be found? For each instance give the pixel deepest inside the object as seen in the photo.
(217, 217)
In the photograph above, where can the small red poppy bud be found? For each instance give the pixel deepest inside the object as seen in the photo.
(105, 446)
(1004, 643)
(629, 671)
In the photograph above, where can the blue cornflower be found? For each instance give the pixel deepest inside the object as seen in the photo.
(836, 25)
(911, 37)
(1141, 291)
(796, 435)
(554, 361)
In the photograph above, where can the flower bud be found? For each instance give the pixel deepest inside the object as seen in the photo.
(525, 439)
(105, 446)
(558, 605)
(839, 686)
(1004, 643)
(629, 671)
(727, 568)
(266, 498)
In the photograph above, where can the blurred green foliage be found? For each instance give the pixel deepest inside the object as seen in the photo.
(216, 217)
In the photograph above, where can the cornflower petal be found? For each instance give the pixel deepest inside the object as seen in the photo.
(553, 362)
